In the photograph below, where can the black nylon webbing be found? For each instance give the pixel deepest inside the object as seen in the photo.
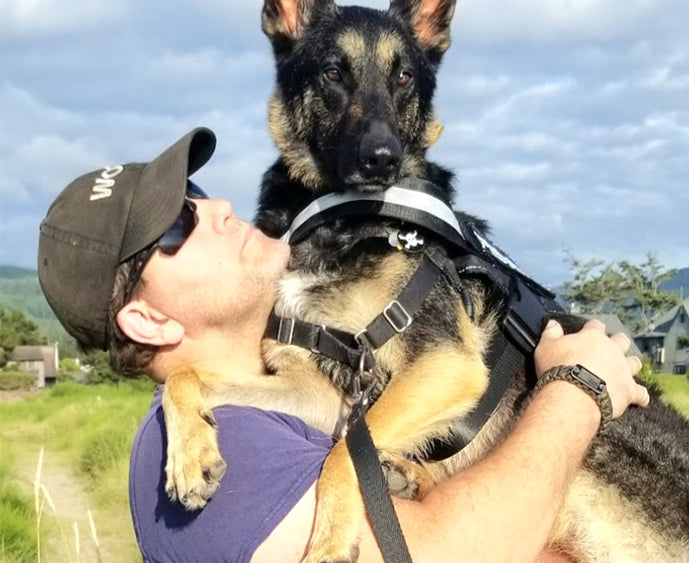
(380, 330)
(374, 489)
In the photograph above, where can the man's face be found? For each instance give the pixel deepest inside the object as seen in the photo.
(224, 275)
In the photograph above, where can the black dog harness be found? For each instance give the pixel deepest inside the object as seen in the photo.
(473, 255)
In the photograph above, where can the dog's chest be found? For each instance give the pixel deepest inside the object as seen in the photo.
(294, 294)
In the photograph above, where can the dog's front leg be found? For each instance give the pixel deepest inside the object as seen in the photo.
(419, 404)
(194, 465)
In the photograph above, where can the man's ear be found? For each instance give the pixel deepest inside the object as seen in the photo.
(145, 324)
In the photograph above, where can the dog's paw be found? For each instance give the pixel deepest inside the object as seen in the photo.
(405, 478)
(194, 464)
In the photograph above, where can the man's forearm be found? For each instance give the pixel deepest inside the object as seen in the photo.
(503, 508)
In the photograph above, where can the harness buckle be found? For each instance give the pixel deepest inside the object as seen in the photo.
(397, 316)
(285, 336)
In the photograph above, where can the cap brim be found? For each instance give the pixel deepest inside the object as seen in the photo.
(162, 187)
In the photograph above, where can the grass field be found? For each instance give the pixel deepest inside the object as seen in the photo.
(675, 390)
(86, 433)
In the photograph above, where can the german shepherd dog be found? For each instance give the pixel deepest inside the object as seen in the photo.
(352, 110)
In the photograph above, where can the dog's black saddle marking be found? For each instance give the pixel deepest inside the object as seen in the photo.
(528, 303)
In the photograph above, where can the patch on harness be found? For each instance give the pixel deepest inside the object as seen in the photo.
(408, 241)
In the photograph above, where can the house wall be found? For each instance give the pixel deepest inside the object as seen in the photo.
(679, 327)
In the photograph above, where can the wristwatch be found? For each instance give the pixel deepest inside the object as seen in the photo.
(585, 380)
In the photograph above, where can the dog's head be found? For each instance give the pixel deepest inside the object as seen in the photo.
(352, 106)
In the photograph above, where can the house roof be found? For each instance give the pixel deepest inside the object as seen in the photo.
(613, 325)
(663, 322)
(45, 354)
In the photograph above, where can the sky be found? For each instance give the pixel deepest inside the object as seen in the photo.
(565, 121)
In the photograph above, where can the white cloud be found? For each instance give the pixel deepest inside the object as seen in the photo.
(558, 21)
(33, 18)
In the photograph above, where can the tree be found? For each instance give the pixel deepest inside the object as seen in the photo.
(99, 368)
(642, 283)
(593, 289)
(631, 291)
(16, 330)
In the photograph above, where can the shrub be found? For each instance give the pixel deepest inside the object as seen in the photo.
(17, 380)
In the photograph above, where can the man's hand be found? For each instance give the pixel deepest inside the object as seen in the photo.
(598, 353)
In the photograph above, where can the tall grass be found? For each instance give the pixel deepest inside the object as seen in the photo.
(88, 429)
(17, 518)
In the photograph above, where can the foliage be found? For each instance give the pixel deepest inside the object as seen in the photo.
(631, 291)
(20, 290)
(646, 371)
(17, 519)
(16, 330)
(97, 365)
(88, 429)
(14, 380)
(683, 341)
(642, 283)
(593, 289)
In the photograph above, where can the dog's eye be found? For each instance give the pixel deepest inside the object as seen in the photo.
(403, 78)
(332, 74)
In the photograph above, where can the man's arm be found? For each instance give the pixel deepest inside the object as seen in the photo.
(502, 508)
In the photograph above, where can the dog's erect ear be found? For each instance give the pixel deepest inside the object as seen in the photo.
(430, 22)
(285, 20)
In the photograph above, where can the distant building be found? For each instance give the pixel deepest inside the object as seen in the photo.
(613, 325)
(42, 360)
(667, 343)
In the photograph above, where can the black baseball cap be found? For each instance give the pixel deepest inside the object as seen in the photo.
(103, 218)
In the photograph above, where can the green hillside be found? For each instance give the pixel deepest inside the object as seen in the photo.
(20, 290)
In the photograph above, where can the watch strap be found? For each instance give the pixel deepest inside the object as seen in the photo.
(587, 381)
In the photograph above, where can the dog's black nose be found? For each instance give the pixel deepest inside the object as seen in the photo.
(380, 154)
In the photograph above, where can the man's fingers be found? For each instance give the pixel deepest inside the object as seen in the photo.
(622, 340)
(594, 324)
(643, 398)
(634, 364)
(552, 330)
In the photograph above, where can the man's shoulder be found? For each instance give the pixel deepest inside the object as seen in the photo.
(240, 420)
(272, 460)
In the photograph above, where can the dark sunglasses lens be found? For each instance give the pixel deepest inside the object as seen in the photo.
(175, 236)
(195, 192)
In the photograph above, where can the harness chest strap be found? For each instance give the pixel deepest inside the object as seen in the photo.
(347, 348)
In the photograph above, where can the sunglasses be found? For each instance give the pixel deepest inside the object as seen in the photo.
(172, 240)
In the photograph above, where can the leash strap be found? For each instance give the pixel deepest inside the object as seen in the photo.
(374, 489)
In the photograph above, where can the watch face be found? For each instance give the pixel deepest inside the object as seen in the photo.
(590, 380)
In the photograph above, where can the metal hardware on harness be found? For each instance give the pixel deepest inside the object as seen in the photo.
(397, 316)
(362, 340)
(280, 336)
(361, 396)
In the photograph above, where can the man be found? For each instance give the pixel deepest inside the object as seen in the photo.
(133, 259)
